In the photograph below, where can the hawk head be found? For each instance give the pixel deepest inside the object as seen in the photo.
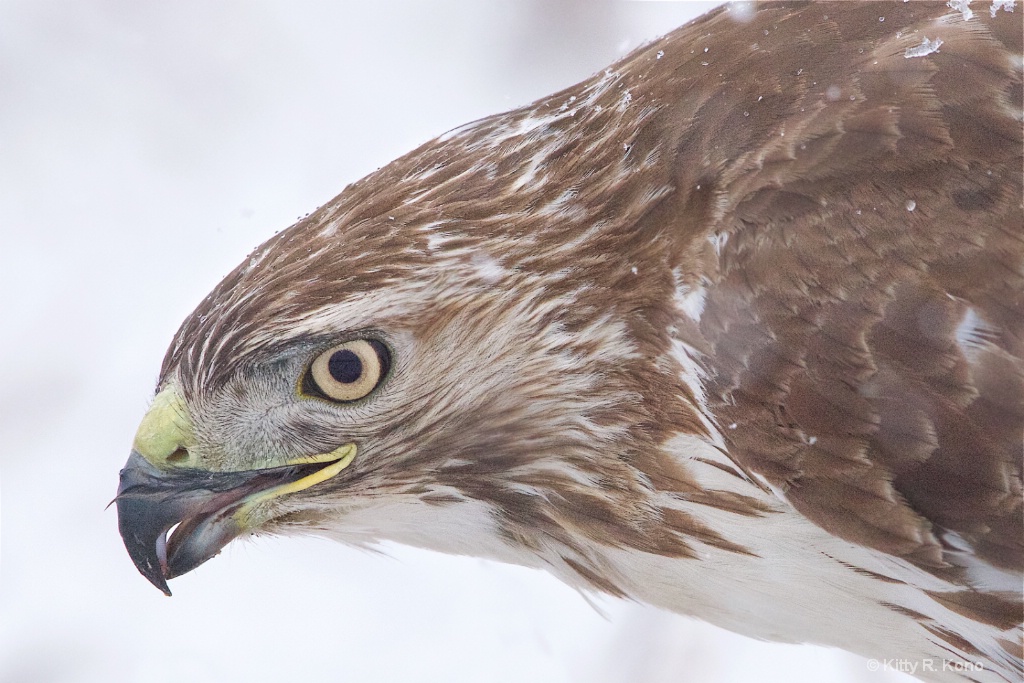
(458, 352)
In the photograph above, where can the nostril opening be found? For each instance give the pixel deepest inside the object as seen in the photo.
(178, 456)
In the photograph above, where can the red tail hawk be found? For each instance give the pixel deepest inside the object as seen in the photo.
(735, 327)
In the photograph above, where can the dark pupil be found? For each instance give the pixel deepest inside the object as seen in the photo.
(345, 366)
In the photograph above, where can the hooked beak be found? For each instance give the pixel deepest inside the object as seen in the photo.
(162, 487)
(209, 508)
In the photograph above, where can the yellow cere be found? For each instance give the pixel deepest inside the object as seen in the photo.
(165, 429)
(340, 458)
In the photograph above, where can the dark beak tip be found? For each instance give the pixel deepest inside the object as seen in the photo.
(160, 583)
(144, 557)
(142, 519)
(156, 577)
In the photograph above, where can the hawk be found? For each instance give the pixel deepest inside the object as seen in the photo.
(735, 328)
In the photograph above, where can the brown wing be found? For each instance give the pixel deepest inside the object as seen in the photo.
(866, 323)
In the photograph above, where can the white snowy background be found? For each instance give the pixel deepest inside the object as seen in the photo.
(145, 148)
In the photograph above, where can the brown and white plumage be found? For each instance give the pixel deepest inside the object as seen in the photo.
(736, 327)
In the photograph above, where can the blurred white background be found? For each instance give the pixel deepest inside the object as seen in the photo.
(145, 148)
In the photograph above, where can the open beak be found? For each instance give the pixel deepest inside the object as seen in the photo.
(209, 508)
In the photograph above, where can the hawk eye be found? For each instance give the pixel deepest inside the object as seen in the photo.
(347, 372)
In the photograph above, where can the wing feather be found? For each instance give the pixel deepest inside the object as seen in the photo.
(874, 207)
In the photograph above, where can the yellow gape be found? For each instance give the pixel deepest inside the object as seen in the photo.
(343, 455)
